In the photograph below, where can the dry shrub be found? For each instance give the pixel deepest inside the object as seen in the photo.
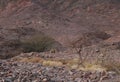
(109, 63)
(107, 58)
(112, 66)
(37, 43)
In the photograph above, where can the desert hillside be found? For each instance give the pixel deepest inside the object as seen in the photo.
(59, 40)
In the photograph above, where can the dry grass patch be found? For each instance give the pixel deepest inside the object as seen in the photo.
(93, 67)
(52, 63)
(70, 63)
(32, 60)
(73, 64)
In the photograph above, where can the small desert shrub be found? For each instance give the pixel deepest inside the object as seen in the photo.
(110, 65)
(107, 59)
(108, 62)
(38, 43)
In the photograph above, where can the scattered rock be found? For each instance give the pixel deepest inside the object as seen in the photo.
(35, 72)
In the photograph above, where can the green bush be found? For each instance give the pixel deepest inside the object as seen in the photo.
(37, 43)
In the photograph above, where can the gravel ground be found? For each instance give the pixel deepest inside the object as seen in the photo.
(34, 72)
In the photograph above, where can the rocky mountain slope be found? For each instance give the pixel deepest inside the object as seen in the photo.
(62, 20)
(59, 22)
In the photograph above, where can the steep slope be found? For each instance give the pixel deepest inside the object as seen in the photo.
(59, 22)
(61, 19)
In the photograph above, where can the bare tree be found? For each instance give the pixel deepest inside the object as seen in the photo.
(85, 40)
(78, 45)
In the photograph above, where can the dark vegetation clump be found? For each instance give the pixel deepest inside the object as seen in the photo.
(37, 43)
(33, 43)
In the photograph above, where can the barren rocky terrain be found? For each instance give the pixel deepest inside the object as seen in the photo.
(40, 40)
